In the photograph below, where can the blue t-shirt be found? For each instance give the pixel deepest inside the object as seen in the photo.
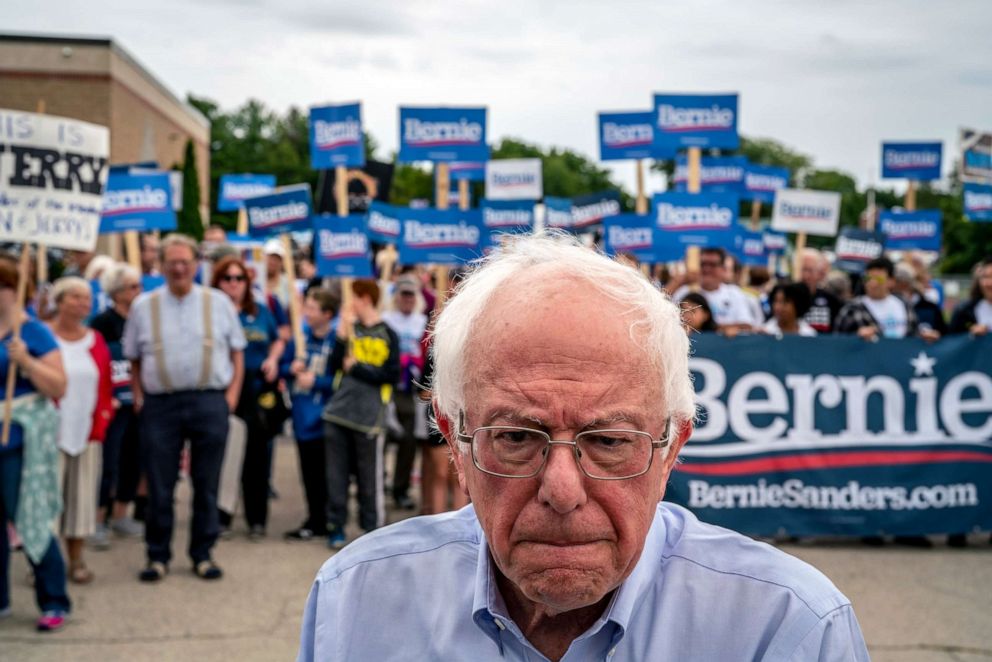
(40, 341)
(150, 281)
(260, 332)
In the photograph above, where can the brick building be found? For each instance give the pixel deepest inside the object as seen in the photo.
(98, 81)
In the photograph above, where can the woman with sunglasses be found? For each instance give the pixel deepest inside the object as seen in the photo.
(262, 355)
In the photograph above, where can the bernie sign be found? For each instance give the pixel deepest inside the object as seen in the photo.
(443, 135)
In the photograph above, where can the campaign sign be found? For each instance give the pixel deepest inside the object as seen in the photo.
(341, 247)
(978, 202)
(508, 215)
(384, 223)
(591, 209)
(236, 188)
(695, 120)
(336, 137)
(697, 219)
(775, 242)
(917, 161)
(514, 179)
(761, 182)
(443, 134)
(52, 174)
(435, 236)
(285, 210)
(626, 136)
(558, 213)
(911, 230)
(722, 173)
(976, 154)
(473, 171)
(855, 248)
(137, 202)
(812, 212)
(749, 248)
(836, 436)
(636, 234)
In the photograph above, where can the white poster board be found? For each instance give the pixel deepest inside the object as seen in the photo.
(52, 174)
(514, 179)
(811, 212)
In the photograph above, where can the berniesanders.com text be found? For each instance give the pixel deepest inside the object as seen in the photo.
(794, 493)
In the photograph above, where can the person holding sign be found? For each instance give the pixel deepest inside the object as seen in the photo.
(731, 306)
(185, 344)
(563, 390)
(40, 378)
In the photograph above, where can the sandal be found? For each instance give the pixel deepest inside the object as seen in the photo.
(80, 574)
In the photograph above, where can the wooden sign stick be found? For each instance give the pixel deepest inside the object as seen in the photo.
(242, 227)
(22, 288)
(132, 248)
(295, 314)
(641, 204)
(756, 215)
(441, 198)
(694, 186)
(797, 258)
(341, 206)
(910, 203)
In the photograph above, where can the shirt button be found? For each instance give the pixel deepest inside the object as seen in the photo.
(499, 624)
(612, 652)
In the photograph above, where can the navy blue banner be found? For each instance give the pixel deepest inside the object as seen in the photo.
(855, 248)
(700, 219)
(336, 137)
(434, 236)
(287, 209)
(838, 436)
(443, 134)
(911, 230)
(137, 202)
(627, 136)
(384, 223)
(695, 120)
(918, 161)
(978, 202)
(636, 234)
(341, 247)
(236, 188)
(761, 182)
(719, 174)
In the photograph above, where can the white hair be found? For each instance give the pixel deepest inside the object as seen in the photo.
(97, 266)
(113, 279)
(67, 284)
(655, 320)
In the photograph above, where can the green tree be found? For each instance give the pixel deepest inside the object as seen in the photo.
(188, 219)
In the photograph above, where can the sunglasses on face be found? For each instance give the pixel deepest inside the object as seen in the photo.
(233, 278)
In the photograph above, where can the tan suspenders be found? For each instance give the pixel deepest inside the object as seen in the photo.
(158, 346)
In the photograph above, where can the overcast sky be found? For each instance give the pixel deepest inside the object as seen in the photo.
(831, 79)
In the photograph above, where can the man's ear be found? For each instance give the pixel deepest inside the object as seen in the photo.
(680, 435)
(448, 431)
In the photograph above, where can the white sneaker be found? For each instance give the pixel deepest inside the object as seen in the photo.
(127, 527)
(101, 539)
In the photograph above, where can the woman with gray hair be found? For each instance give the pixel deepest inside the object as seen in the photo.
(121, 463)
(85, 412)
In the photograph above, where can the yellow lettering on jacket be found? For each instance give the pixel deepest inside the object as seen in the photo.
(371, 350)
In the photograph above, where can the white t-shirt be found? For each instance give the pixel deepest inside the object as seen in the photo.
(729, 303)
(890, 313)
(983, 313)
(771, 327)
(82, 385)
(409, 328)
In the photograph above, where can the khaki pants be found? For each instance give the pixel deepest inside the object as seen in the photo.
(79, 476)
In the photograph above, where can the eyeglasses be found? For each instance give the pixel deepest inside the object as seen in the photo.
(233, 278)
(709, 263)
(514, 452)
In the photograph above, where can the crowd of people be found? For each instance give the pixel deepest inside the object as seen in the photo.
(126, 377)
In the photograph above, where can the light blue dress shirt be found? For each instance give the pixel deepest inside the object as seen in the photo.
(424, 589)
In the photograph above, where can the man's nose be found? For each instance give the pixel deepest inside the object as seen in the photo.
(562, 481)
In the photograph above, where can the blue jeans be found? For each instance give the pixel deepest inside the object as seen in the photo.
(49, 575)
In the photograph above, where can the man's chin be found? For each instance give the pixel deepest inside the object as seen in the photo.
(565, 589)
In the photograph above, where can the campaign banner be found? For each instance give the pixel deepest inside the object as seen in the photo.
(336, 137)
(514, 179)
(761, 182)
(812, 212)
(697, 219)
(917, 161)
(384, 223)
(558, 213)
(695, 120)
(507, 215)
(435, 236)
(749, 248)
(137, 202)
(627, 136)
(593, 208)
(473, 171)
(52, 174)
(837, 436)
(443, 134)
(341, 247)
(977, 202)
(717, 174)
(636, 234)
(976, 155)
(855, 248)
(236, 188)
(775, 242)
(911, 230)
(285, 210)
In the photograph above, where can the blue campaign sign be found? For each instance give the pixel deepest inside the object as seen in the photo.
(473, 171)
(978, 202)
(856, 248)
(443, 134)
(775, 242)
(701, 219)
(341, 247)
(137, 202)
(508, 215)
(434, 236)
(761, 182)
(918, 161)
(836, 436)
(695, 120)
(911, 230)
(593, 208)
(749, 248)
(717, 174)
(558, 213)
(384, 223)
(626, 136)
(636, 234)
(287, 209)
(236, 188)
(336, 137)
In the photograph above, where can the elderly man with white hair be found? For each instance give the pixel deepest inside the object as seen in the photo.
(562, 387)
